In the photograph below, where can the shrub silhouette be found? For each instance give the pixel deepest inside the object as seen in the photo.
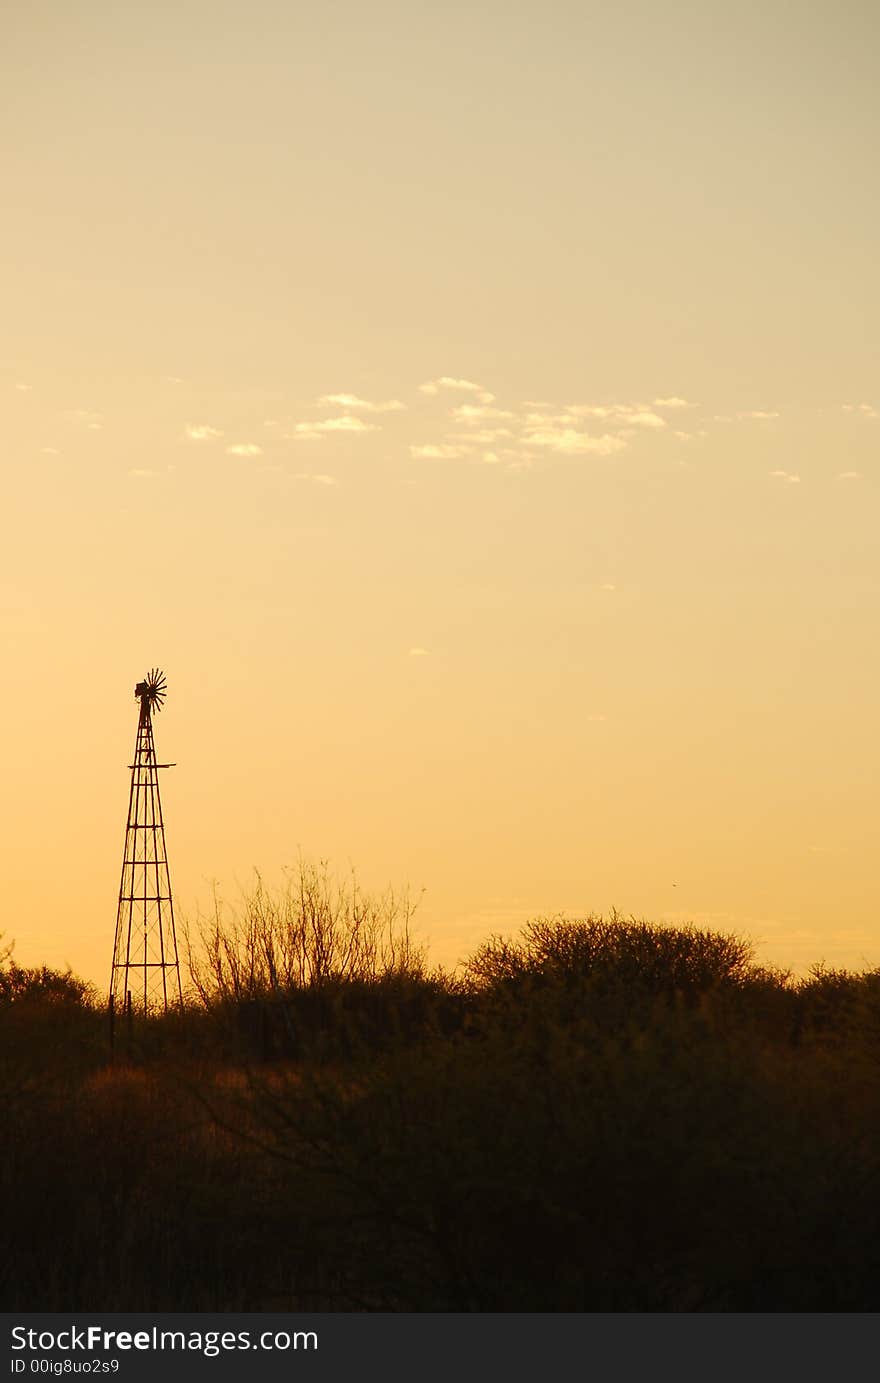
(318, 966)
(600, 1115)
(315, 929)
(613, 954)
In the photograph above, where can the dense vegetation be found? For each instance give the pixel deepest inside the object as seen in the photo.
(596, 1115)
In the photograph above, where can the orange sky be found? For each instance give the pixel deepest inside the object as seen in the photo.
(476, 416)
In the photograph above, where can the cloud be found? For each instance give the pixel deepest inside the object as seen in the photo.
(787, 476)
(352, 401)
(551, 419)
(759, 414)
(316, 479)
(850, 475)
(418, 653)
(630, 414)
(490, 458)
(50, 451)
(485, 435)
(23, 388)
(674, 402)
(313, 431)
(244, 449)
(93, 421)
(201, 432)
(140, 474)
(608, 586)
(594, 410)
(568, 442)
(465, 386)
(644, 418)
(439, 451)
(474, 412)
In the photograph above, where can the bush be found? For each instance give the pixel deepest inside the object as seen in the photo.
(316, 929)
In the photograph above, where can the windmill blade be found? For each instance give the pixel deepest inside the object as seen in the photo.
(152, 689)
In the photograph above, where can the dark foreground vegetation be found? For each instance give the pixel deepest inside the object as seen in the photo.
(598, 1115)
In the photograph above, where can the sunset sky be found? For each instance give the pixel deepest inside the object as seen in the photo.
(475, 411)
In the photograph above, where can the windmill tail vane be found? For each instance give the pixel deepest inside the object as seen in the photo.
(146, 968)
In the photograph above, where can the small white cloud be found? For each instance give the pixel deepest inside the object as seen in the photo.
(644, 418)
(464, 386)
(624, 415)
(788, 476)
(628, 414)
(868, 410)
(594, 410)
(244, 449)
(477, 412)
(485, 435)
(201, 432)
(568, 442)
(758, 414)
(24, 388)
(346, 423)
(316, 479)
(352, 401)
(418, 653)
(596, 717)
(439, 451)
(93, 421)
(551, 419)
(608, 586)
(674, 402)
(50, 451)
(490, 458)
(850, 475)
(140, 474)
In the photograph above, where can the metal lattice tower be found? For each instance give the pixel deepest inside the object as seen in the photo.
(146, 968)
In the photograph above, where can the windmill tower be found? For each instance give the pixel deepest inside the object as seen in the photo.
(146, 970)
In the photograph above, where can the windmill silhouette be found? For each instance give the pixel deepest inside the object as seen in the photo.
(146, 968)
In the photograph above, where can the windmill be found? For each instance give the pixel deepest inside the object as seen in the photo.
(146, 969)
